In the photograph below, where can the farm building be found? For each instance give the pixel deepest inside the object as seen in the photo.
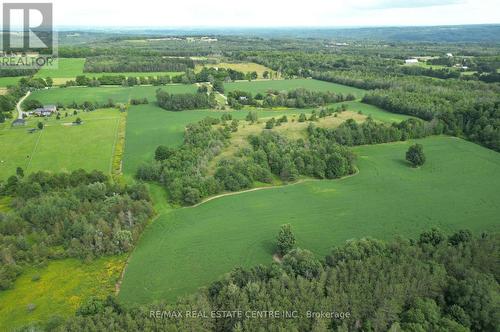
(411, 61)
(44, 111)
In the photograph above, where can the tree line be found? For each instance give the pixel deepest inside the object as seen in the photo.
(436, 282)
(56, 215)
(123, 64)
(297, 98)
(184, 101)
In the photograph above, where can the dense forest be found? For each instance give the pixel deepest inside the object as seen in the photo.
(297, 98)
(433, 283)
(184, 101)
(79, 214)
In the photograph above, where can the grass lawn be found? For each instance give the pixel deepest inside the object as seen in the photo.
(60, 145)
(281, 85)
(149, 126)
(188, 248)
(62, 287)
(104, 93)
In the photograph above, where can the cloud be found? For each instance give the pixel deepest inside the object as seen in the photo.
(265, 13)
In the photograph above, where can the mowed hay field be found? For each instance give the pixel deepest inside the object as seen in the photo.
(245, 67)
(62, 287)
(69, 68)
(60, 146)
(187, 248)
(285, 85)
(104, 93)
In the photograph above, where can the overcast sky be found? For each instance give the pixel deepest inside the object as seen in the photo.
(273, 13)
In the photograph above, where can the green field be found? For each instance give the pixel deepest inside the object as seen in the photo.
(375, 112)
(69, 68)
(64, 68)
(62, 287)
(60, 146)
(187, 248)
(103, 94)
(149, 126)
(282, 85)
(6, 81)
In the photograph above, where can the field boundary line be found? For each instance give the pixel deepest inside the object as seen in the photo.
(34, 150)
(115, 145)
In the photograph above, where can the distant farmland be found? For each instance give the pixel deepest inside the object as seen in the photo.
(69, 68)
(103, 94)
(280, 85)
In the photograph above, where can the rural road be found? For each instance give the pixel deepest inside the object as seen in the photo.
(19, 103)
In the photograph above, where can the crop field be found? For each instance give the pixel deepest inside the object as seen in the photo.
(6, 81)
(103, 94)
(66, 68)
(69, 68)
(282, 85)
(149, 126)
(61, 287)
(60, 145)
(184, 249)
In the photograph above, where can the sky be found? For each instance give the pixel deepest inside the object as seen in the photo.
(269, 13)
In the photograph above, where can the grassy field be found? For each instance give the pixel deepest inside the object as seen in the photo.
(69, 68)
(244, 67)
(6, 81)
(61, 288)
(281, 85)
(60, 146)
(187, 248)
(375, 112)
(103, 94)
(64, 68)
(149, 126)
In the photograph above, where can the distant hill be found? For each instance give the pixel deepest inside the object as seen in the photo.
(488, 33)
